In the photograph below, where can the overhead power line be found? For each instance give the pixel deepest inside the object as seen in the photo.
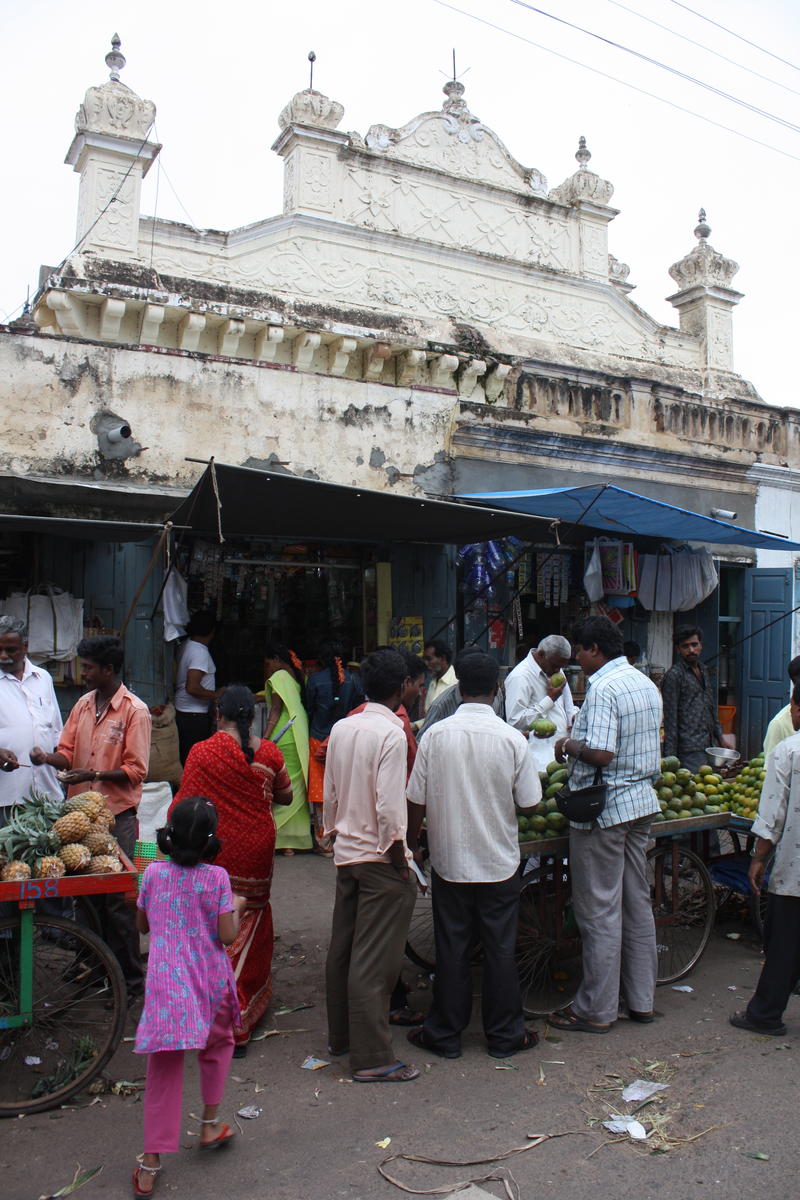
(738, 36)
(614, 79)
(654, 62)
(706, 49)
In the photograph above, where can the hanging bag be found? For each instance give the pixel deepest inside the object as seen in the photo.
(583, 805)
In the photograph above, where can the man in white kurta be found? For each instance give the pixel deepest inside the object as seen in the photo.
(530, 695)
(29, 716)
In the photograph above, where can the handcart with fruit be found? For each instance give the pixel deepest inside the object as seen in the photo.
(683, 896)
(62, 994)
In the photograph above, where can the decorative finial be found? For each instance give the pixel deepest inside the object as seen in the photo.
(312, 58)
(583, 154)
(115, 59)
(454, 65)
(703, 230)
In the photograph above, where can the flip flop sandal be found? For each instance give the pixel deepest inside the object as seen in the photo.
(530, 1040)
(570, 1021)
(643, 1018)
(405, 1016)
(225, 1135)
(742, 1021)
(137, 1191)
(418, 1039)
(398, 1073)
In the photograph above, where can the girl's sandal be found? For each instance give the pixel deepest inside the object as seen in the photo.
(225, 1135)
(137, 1191)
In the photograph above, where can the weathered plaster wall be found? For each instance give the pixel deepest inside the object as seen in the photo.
(187, 405)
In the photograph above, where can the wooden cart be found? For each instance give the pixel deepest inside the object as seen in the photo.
(63, 1000)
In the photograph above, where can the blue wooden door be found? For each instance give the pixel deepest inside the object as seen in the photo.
(765, 652)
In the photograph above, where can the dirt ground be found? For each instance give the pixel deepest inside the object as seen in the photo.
(316, 1136)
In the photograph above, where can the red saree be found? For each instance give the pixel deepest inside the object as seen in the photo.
(242, 794)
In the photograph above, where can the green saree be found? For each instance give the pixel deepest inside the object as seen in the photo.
(293, 821)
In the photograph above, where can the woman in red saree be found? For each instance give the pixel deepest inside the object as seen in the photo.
(243, 776)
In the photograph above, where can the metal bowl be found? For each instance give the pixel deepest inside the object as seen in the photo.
(721, 756)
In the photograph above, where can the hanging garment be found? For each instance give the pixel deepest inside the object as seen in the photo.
(176, 608)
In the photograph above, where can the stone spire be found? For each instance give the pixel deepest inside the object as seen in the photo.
(706, 300)
(112, 152)
(589, 196)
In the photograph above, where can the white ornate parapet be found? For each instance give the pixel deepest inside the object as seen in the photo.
(310, 142)
(588, 196)
(112, 152)
(706, 300)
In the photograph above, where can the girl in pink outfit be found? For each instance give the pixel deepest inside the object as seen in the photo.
(188, 908)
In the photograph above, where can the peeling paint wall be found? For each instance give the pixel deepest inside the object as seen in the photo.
(184, 406)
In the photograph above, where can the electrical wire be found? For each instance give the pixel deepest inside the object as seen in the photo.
(622, 82)
(738, 36)
(655, 62)
(702, 46)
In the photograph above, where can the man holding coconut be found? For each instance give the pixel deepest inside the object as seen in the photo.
(538, 697)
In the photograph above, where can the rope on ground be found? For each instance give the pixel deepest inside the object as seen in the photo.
(503, 1176)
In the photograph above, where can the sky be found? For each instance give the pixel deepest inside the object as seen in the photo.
(219, 77)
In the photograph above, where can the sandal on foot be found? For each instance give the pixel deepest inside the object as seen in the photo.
(399, 1072)
(137, 1191)
(406, 1016)
(417, 1038)
(225, 1135)
(529, 1040)
(742, 1021)
(565, 1018)
(643, 1018)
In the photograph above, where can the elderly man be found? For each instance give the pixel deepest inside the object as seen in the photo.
(777, 827)
(530, 696)
(29, 717)
(447, 702)
(106, 744)
(616, 729)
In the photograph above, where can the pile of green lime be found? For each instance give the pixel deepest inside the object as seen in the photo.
(743, 792)
(545, 821)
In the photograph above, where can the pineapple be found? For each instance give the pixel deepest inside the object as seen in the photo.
(91, 803)
(15, 872)
(104, 820)
(100, 842)
(72, 827)
(75, 856)
(105, 864)
(49, 867)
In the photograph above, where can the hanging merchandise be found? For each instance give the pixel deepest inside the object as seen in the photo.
(676, 580)
(552, 578)
(497, 630)
(176, 608)
(593, 576)
(54, 619)
(616, 575)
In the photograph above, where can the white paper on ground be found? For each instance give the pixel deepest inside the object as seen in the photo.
(629, 1125)
(640, 1089)
(682, 987)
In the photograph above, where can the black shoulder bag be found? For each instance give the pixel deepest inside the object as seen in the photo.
(583, 805)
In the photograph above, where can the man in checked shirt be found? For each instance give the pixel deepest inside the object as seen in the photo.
(691, 722)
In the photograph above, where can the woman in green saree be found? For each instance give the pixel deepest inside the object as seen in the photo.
(284, 697)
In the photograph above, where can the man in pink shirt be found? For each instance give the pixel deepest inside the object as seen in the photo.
(364, 811)
(105, 747)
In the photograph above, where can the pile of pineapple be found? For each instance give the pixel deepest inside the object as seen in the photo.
(46, 838)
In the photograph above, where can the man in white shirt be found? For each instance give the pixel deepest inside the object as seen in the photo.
(29, 717)
(195, 683)
(530, 695)
(471, 773)
(364, 811)
(438, 658)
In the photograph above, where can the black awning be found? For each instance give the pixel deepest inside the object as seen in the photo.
(246, 502)
(77, 527)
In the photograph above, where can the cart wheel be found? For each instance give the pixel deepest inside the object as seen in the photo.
(79, 1012)
(548, 940)
(420, 943)
(683, 906)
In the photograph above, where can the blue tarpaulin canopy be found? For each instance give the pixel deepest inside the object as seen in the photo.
(615, 510)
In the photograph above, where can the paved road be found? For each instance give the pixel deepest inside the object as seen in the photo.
(315, 1139)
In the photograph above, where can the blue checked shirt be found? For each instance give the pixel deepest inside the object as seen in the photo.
(621, 713)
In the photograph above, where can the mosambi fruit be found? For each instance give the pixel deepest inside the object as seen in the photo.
(558, 680)
(542, 727)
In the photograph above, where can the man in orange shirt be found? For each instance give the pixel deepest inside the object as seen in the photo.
(106, 744)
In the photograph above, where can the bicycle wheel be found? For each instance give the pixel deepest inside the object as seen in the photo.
(79, 1011)
(683, 906)
(548, 940)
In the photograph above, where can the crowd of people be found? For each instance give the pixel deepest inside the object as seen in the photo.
(354, 766)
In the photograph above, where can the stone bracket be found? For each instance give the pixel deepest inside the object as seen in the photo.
(469, 374)
(69, 314)
(375, 357)
(267, 342)
(111, 314)
(152, 319)
(442, 369)
(303, 348)
(230, 334)
(409, 365)
(190, 331)
(339, 354)
(495, 382)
